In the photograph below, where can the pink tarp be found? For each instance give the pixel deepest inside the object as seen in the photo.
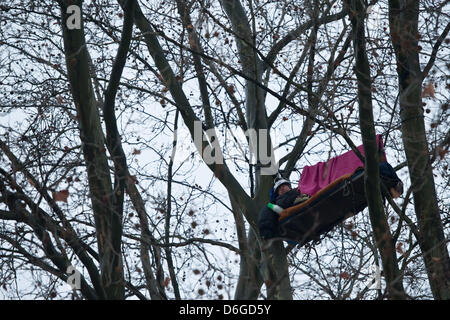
(320, 175)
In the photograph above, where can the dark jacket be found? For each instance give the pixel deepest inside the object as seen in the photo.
(268, 219)
(390, 178)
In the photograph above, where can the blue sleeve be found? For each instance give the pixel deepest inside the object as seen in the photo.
(388, 174)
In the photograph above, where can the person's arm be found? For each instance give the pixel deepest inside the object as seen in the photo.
(391, 179)
(268, 223)
(287, 200)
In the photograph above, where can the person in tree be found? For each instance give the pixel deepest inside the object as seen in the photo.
(284, 196)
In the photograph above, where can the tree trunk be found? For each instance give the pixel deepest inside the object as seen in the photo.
(277, 283)
(104, 202)
(250, 278)
(403, 22)
(378, 219)
(275, 270)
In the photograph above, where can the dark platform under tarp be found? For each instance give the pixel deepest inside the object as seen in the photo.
(341, 199)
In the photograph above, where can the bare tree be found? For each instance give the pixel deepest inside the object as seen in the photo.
(127, 149)
(404, 23)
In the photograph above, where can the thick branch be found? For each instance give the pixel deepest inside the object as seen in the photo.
(221, 171)
(378, 219)
(91, 134)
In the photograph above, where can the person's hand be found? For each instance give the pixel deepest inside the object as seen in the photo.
(394, 193)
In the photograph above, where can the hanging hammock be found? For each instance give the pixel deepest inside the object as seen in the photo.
(338, 200)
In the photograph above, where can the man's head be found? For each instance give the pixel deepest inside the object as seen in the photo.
(282, 186)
